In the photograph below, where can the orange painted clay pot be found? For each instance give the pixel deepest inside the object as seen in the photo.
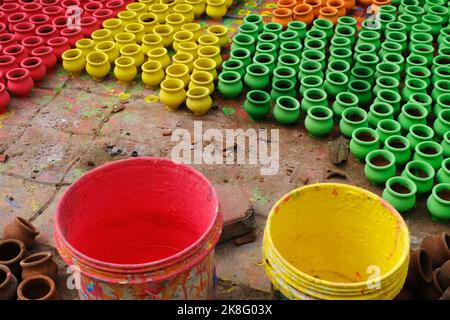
(365, 3)
(282, 16)
(304, 13)
(349, 4)
(339, 5)
(329, 13)
(288, 4)
(316, 5)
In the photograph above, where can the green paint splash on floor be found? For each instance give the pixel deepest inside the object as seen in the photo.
(228, 111)
(259, 197)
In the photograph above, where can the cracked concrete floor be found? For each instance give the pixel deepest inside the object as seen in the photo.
(70, 126)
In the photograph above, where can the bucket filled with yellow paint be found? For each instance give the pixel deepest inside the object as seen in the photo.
(334, 241)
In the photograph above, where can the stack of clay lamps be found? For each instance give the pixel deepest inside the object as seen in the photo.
(139, 40)
(385, 85)
(35, 33)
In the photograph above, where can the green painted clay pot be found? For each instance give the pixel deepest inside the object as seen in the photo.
(282, 88)
(444, 32)
(438, 203)
(257, 104)
(413, 85)
(434, 21)
(369, 36)
(419, 133)
(397, 26)
(243, 41)
(286, 110)
(273, 27)
(398, 37)
(343, 54)
(443, 175)
(408, 20)
(267, 37)
(421, 173)
(341, 42)
(424, 50)
(344, 100)
(289, 60)
(420, 38)
(319, 121)
(314, 97)
(442, 123)
(369, 60)
(400, 192)
(412, 114)
(441, 87)
(313, 55)
(339, 66)
(316, 34)
(266, 47)
(250, 29)
(430, 152)
(440, 61)
(443, 103)
(440, 73)
(379, 111)
(400, 148)
(420, 28)
(385, 19)
(230, 84)
(390, 47)
(364, 48)
(298, 26)
(348, 22)
(291, 47)
(405, 3)
(325, 26)
(257, 77)
(288, 35)
(423, 99)
(387, 70)
(242, 55)
(335, 82)
(310, 68)
(387, 128)
(415, 11)
(390, 97)
(445, 144)
(234, 65)
(352, 119)
(362, 90)
(266, 60)
(386, 83)
(255, 19)
(363, 74)
(345, 31)
(396, 59)
(380, 166)
(415, 60)
(371, 25)
(310, 82)
(315, 44)
(364, 140)
(285, 73)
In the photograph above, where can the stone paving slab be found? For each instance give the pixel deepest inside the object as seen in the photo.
(8, 135)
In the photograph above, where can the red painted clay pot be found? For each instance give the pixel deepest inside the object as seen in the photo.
(420, 269)
(23, 30)
(46, 54)
(68, 3)
(17, 51)
(3, 28)
(7, 39)
(438, 248)
(2, 17)
(282, 16)
(2, 78)
(115, 5)
(444, 275)
(32, 8)
(9, 9)
(7, 63)
(35, 68)
(432, 290)
(59, 45)
(60, 22)
(47, 31)
(53, 11)
(47, 3)
(88, 25)
(32, 42)
(4, 98)
(103, 14)
(15, 19)
(72, 35)
(39, 19)
(19, 82)
(39, 263)
(91, 7)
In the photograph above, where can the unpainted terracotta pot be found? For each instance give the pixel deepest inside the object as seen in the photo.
(22, 230)
(438, 248)
(444, 275)
(419, 270)
(406, 294)
(432, 290)
(39, 263)
(12, 251)
(8, 284)
(38, 287)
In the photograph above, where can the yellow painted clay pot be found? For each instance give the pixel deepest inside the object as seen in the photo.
(198, 7)
(160, 55)
(202, 79)
(114, 25)
(152, 74)
(149, 21)
(228, 3)
(151, 41)
(110, 48)
(208, 40)
(101, 35)
(85, 45)
(182, 36)
(198, 100)
(178, 71)
(147, 3)
(184, 58)
(127, 17)
(137, 29)
(170, 4)
(186, 10)
(125, 69)
(166, 33)
(137, 7)
(124, 38)
(175, 20)
(211, 52)
(161, 11)
(220, 32)
(134, 51)
(172, 93)
(73, 61)
(216, 9)
(97, 65)
(188, 47)
(206, 64)
(195, 28)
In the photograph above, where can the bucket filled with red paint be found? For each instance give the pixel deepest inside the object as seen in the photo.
(142, 228)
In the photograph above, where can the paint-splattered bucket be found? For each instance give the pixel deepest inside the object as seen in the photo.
(335, 241)
(142, 228)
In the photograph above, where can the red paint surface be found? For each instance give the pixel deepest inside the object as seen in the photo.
(137, 211)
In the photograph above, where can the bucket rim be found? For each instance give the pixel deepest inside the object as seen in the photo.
(401, 224)
(138, 266)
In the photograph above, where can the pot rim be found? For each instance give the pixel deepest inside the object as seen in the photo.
(436, 189)
(343, 78)
(291, 100)
(23, 73)
(384, 104)
(354, 110)
(204, 92)
(19, 256)
(397, 137)
(111, 23)
(8, 276)
(297, 25)
(68, 57)
(124, 37)
(253, 27)
(172, 89)
(56, 41)
(352, 96)
(100, 54)
(302, 9)
(390, 121)
(189, 57)
(41, 257)
(239, 62)
(211, 64)
(435, 145)
(237, 77)
(276, 87)
(446, 165)
(410, 105)
(366, 129)
(48, 281)
(321, 92)
(259, 92)
(221, 30)
(131, 62)
(37, 63)
(282, 12)
(422, 165)
(329, 113)
(395, 83)
(125, 48)
(425, 129)
(441, 116)
(10, 59)
(415, 95)
(200, 82)
(264, 71)
(385, 153)
(178, 66)
(151, 35)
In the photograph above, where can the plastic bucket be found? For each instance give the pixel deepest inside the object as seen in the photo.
(335, 241)
(142, 228)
